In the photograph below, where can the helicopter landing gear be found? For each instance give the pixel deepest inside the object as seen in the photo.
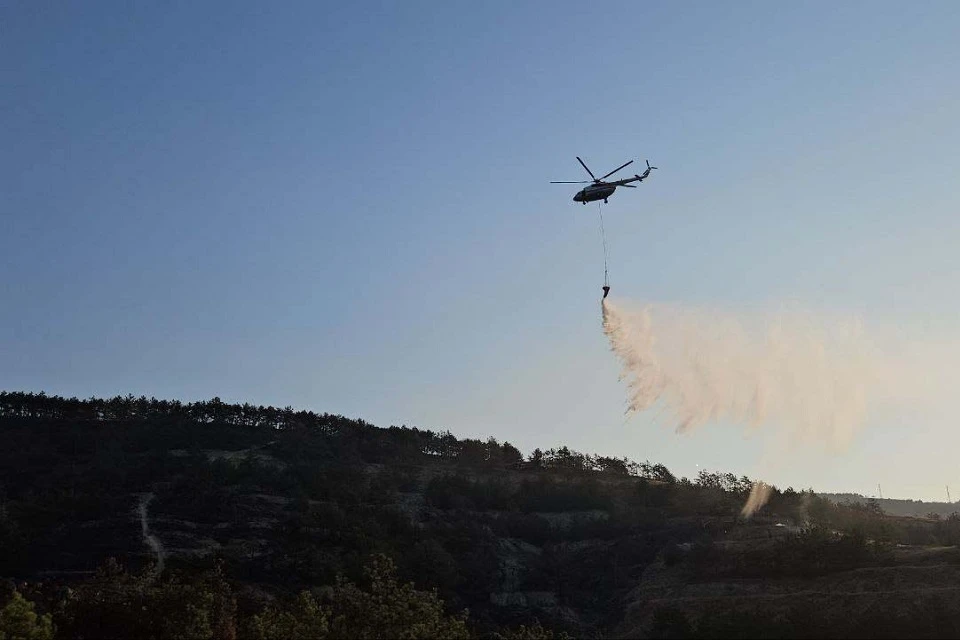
(604, 201)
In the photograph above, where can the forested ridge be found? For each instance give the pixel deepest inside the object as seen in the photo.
(286, 523)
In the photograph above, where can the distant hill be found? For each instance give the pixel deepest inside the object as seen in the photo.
(894, 507)
(249, 522)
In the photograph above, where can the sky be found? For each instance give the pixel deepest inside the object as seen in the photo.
(345, 207)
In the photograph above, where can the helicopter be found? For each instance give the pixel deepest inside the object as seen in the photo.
(600, 190)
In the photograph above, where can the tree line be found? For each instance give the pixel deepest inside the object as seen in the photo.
(372, 443)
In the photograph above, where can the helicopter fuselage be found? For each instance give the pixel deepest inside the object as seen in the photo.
(595, 192)
(601, 190)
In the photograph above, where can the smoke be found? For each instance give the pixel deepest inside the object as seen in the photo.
(759, 494)
(810, 376)
(152, 541)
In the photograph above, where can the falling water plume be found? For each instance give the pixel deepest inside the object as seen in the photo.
(806, 375)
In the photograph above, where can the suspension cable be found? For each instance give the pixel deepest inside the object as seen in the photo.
(603, 238)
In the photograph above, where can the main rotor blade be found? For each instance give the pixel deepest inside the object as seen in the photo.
(615, 170)
(588, 169)
(569, 182)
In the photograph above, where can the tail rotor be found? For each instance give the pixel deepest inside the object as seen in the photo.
(646, 173)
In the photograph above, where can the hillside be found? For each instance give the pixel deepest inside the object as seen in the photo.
(894, 507)
(222, 514)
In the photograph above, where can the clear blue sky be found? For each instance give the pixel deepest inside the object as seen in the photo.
(345, 206)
